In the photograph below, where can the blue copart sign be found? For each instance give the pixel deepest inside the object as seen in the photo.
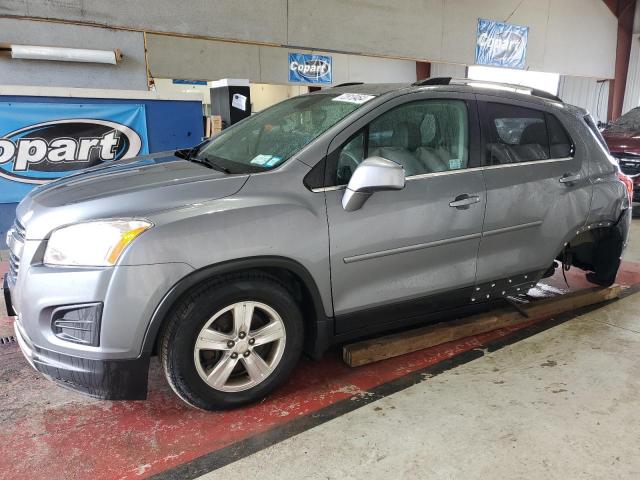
(308, 68)
(40, 142)
(501, 44)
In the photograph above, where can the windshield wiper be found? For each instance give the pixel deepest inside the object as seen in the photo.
(185, 153)
(209, 163)
(189, 155)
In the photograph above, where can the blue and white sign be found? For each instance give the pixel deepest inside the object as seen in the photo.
(40, 142)
(308, 68)
(501, 44)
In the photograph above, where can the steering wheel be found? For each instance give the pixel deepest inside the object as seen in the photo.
(347, 164)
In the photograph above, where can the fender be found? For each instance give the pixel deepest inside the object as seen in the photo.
(319, 337)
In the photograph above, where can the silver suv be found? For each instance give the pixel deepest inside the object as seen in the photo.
(329, 216)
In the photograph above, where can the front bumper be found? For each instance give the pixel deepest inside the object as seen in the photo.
(114, 366)
(105, 379)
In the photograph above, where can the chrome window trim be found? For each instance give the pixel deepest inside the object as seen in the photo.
(530, 162)
(329, 189)
(446, 172)
(455, 172)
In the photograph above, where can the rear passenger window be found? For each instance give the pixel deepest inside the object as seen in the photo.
(518, 134)
(515, 134)
(560, 145)
(424, 137)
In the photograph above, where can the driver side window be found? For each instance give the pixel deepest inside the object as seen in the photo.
(425, 136)
(350, 155)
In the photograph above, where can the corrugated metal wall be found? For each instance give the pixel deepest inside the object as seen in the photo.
(588, 93)
(632, 90)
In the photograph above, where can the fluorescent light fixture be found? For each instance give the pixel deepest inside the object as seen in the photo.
(61, 54)
(547, 82)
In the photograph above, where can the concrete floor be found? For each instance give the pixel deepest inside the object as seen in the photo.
(561, 404)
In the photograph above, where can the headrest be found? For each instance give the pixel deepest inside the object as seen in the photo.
(406, 135)
(534, 133)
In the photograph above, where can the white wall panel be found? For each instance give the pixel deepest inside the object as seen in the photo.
(581, 39)
(448, 70)
(380, 70)
(179, 57)
(401, 28)
(571, 37)
(129, 74)
(632, 90)
(587, 93)
(252, 20)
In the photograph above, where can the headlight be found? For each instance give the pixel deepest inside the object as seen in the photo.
(92, 244)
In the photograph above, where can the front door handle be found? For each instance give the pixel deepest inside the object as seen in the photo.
(462, 202)
(568, 178)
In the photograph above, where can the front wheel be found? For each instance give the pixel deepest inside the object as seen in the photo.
(232, 341)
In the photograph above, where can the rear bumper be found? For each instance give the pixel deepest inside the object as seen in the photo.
(105, 379)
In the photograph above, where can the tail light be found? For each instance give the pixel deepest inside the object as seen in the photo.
(627, 183)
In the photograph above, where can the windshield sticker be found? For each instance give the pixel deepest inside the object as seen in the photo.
(357, 98)
(266, 160)
(455, 164)
(274, 161)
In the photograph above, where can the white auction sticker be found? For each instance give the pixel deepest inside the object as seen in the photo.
(357, 98)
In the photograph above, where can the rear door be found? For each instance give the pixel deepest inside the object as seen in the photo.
(414, 249)
(538, 190)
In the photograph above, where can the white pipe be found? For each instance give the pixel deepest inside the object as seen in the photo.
(33, 52)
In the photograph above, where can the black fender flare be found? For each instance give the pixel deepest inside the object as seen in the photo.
(318, 339)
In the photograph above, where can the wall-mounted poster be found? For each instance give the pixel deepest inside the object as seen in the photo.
(501, 44)
(41, 142)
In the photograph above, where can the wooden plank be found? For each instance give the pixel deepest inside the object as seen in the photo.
(368, 351)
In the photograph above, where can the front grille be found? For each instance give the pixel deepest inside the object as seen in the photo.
(18, 233)
(19, 228)
(14, 265)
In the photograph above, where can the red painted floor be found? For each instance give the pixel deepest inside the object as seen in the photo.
(46, 432)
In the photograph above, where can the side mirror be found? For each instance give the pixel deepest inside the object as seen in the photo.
(374, 174)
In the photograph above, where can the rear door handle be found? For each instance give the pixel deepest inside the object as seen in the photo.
(568, 178)
(463, 201)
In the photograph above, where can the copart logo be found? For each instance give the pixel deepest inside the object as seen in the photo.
(46, 151)
(309, 68)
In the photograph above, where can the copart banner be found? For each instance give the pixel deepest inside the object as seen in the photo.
(41, 142)
(501, 44)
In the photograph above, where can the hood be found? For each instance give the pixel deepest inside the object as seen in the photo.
(620, 141)
(132, 188)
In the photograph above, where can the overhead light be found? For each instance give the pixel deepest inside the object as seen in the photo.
(61, 54)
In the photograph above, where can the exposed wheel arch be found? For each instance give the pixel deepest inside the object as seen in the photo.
(319, 325)
(596, 250)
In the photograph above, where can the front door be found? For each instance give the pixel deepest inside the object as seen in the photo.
(538, 191)
(413, 249)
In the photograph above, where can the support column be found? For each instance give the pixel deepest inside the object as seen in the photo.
(624, 11)
(423, 70)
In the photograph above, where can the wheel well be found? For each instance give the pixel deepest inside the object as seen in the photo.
(584, 252)
(309, 300)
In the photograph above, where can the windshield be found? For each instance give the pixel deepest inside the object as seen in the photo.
(269, 138)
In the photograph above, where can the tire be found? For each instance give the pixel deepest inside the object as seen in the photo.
(196, 342)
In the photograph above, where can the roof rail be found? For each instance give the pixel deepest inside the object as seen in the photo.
(347, 84)
(433, 81)
(467, 81)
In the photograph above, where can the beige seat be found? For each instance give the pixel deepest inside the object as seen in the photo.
(432, 159)
(404, 141)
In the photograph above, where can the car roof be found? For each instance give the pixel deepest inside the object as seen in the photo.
(512, 92)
